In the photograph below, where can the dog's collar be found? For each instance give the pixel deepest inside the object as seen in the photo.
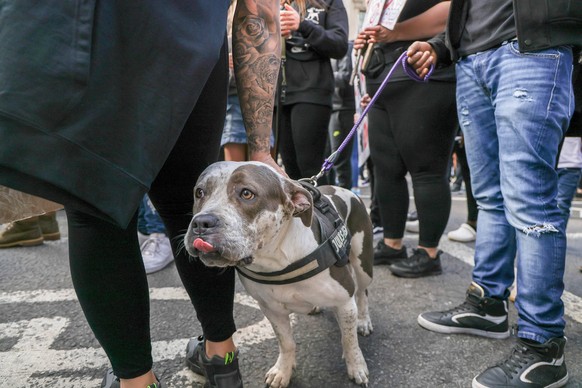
(334, 250)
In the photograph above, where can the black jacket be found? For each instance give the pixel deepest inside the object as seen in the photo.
(540, 24)
(322, 35)
(94, 96)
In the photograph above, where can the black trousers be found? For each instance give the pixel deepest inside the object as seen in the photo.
(303, 136)
(340, 125)
(106, 263)
(411, 129)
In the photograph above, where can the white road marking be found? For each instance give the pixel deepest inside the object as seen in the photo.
(64, 295)
(573, 236)
(32, 353)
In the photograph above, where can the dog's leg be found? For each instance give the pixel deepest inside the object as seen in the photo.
(365, 327)
(280, 374)
(347, 316)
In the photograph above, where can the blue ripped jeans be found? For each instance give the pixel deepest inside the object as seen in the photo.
(514, 109)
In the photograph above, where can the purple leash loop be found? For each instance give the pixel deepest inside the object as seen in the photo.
(328, 163)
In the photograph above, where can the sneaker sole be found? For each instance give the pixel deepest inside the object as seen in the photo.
(52, 236)
(23, 243)
(415, 275)
(460, 330)
(463, 240)
(159, 267)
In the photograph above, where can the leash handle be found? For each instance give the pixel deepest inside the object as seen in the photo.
(328, 163)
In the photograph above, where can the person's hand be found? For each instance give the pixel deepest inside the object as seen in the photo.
(420, 56)
(289, 20)
(380, 34)
(365, 100)
(360, 41)
(265, 157)
(230, 61)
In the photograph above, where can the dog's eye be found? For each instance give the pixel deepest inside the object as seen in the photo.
(199, 193)
(247, 194)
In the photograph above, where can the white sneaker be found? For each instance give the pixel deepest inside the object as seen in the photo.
(412, 226)
(141, 238)
(156, 252)
(465, 233)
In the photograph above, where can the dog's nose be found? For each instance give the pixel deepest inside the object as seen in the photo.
(203, 222)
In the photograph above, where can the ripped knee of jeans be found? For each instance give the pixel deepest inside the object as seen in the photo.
(538, 229)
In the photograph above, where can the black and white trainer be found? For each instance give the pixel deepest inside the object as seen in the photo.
(529, 365)
(478, 315)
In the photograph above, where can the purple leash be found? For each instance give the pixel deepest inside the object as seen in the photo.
(328, 163)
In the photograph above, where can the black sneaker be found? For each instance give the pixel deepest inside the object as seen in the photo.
(418, 265)
(530, 365)
(112, 381)
(219, 372)
(383, 254)
(478, 315)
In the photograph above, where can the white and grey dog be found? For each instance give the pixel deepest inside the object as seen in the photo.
(249, 216)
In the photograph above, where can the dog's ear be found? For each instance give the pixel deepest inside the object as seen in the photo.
(302, 201)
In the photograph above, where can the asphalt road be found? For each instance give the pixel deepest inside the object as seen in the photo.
(46, 342)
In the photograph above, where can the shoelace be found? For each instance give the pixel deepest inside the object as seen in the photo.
(466, 305)
(520, 356)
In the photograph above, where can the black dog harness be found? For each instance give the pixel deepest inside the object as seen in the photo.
(333, 250)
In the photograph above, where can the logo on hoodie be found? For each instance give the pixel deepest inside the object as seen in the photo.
(313, 14)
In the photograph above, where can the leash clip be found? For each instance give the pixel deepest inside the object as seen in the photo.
(313, 180)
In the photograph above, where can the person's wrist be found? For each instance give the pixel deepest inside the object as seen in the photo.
(259, 155)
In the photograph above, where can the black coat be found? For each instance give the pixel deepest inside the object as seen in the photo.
(94, 94)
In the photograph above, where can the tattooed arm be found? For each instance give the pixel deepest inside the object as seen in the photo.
(257, 56)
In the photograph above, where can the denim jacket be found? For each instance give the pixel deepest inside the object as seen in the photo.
(538, 26)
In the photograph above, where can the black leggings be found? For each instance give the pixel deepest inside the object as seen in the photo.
(106, 263)
(472, 210)
(412, 127)
(303, 139)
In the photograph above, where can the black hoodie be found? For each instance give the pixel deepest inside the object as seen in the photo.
(322, 35)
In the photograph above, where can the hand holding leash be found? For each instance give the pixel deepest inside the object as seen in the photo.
(421, 73)
(421, 57)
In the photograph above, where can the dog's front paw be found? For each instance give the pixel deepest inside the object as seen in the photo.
(279, 375)
(365, 326)
(358, 371)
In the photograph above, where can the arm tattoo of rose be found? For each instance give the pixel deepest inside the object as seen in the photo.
(256, 54)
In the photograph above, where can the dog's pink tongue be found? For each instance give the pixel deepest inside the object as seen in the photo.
(202, 245)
